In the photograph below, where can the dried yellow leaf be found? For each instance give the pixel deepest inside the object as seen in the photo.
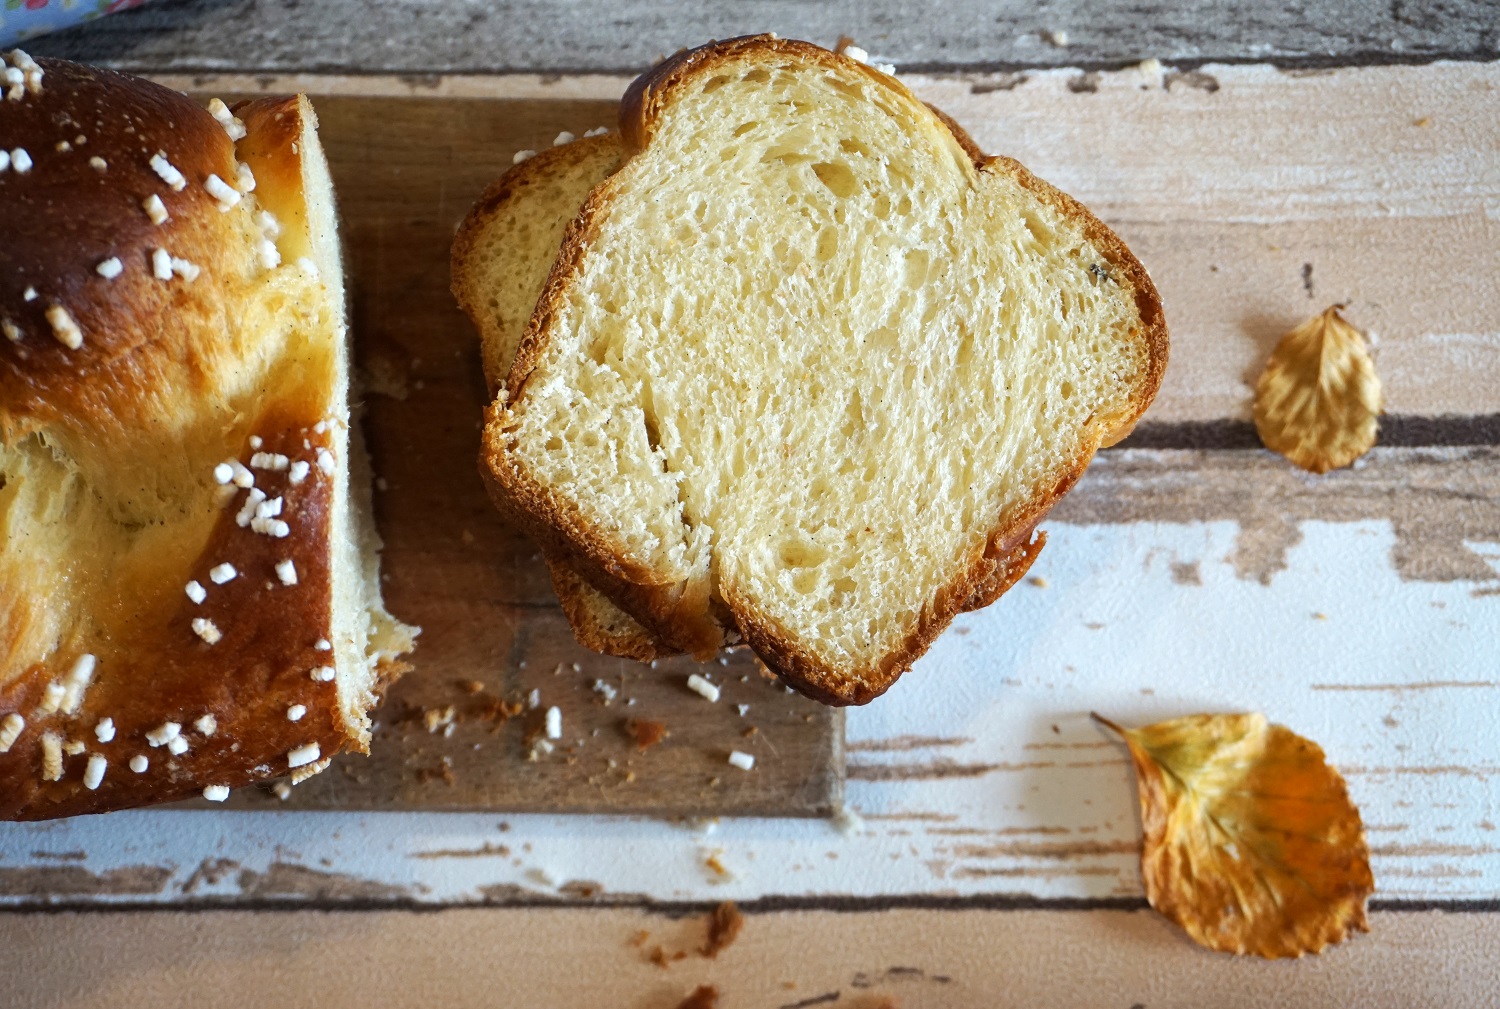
(1251, 842)
(1318, 398)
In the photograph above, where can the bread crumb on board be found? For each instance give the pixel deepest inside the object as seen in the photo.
(725, 923)
(646, 732)
(705, 996)
(722, 873)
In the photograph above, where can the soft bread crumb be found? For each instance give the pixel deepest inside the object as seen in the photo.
(868, 462)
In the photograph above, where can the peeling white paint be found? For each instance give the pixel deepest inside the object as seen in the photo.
(1113, 631)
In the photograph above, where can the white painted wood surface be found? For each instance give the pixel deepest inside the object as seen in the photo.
(980, 774)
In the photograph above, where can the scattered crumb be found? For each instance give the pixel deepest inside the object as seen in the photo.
(720, 870)
(1151, 72)
(705, 996)
(848, 822)
(724, 925)
(442, 772)
(470, 686)
(498, 712)
(1424, 121)
(639, 939)
(438, 718)
(1038, 581)
(663, 959)
(1056, 38)
(645, 732)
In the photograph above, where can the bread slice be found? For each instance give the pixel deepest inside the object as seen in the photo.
(810, 369)
(501, 258)
(156, 626)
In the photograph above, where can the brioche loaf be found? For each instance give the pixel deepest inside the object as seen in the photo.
(501, 257)
(809, 368)
(189, 597)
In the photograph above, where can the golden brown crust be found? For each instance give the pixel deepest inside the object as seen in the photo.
(75, 216)
(587, 610)
(160, 671)
(592, 629)
(147, 379)
(669, 610)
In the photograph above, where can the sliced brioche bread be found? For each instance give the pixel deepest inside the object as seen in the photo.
(809, 369)
(501, 258)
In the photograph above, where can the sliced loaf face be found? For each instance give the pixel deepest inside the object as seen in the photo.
(810, 370)
(502, 256)
(504, 248)
(367, 643)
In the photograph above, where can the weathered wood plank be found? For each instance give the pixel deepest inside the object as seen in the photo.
(1357, 608)
(415, 36)
(1251, 211)
(1173, 582)
(1439, 502)
(485, 764)
(915, 958)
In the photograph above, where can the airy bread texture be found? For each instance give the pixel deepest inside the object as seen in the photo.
(810, 369)
(156, 624)
(501, 259)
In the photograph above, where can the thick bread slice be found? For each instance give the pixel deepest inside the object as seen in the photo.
(501, 258)
(504, 248)
(810, 369)
(156, 623)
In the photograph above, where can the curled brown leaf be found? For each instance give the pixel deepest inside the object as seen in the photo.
(1318, 399)
(1252, 844)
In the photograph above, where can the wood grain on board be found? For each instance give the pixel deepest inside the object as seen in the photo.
(419, 36)
(793, 959)
(492, 633)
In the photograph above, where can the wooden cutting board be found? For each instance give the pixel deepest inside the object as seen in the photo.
(406, 171)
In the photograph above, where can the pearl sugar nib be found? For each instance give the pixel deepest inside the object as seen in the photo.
(1318, 400)
(1252, 843)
